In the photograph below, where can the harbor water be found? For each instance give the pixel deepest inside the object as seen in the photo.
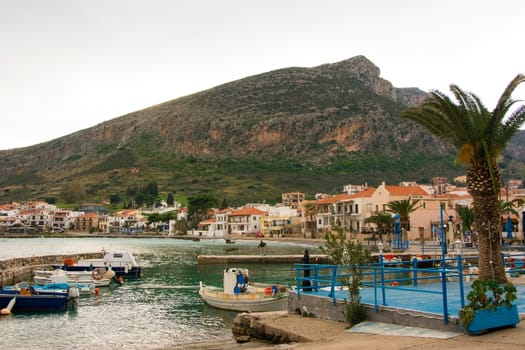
(162, 309)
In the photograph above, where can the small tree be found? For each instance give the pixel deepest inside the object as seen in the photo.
(354, 256)
(466, 215)
(170, 199)
(404, 208)
(73, 192)
(383, 221)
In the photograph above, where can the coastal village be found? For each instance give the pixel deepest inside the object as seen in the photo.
(293, 217)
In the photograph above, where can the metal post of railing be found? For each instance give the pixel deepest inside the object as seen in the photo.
(332, 288)
(382, 267)
(461, 291)
(444, 289)
(414, 271)
(297, 278)
(316, 277)
(375, 290)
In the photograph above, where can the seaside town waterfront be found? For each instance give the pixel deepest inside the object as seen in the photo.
(434, 207)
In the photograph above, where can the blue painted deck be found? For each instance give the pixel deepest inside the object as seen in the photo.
(406, 286)
(423, 301)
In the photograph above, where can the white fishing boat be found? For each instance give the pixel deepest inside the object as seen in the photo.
(98, 277)
(240, 294)
(72, 274)
(122, 262)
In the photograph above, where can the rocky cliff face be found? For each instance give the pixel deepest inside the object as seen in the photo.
(309, 116)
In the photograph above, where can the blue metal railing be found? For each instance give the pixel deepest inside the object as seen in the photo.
(387, 274)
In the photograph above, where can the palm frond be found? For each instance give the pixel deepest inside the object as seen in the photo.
(503, 102)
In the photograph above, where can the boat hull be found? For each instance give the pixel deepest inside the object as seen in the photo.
(133, 272)
(34, 303)
(246, 302)
(121, 262)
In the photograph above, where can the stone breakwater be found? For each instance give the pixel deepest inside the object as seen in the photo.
(21, 269)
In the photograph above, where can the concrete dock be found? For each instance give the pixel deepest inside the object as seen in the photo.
(270, 259)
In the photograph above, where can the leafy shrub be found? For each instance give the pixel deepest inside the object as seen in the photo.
(486, 295)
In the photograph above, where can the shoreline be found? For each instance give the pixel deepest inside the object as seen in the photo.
(333, 335)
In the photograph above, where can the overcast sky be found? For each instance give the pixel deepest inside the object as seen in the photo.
(67, 65)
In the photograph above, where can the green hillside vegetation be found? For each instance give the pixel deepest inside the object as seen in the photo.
(312, 130)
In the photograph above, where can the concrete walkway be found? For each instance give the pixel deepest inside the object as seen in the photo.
(312, 333)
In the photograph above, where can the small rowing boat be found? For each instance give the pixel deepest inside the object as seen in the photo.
(240, 294)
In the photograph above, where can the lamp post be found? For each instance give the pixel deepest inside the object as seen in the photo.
(380, 247)
(442, 234)
(458, 245)
(396, 242)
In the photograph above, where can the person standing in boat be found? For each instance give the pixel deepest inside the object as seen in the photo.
(261, 247)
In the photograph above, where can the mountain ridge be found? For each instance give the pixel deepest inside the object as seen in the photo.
(335, 123)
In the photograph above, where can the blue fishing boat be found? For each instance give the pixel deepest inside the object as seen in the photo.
(52, 288)
(17, 301)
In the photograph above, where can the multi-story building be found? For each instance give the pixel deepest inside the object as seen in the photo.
(347, 211)
(87, 222)
(292, 199)
(245, 221)
(60, 220)
(127, 220)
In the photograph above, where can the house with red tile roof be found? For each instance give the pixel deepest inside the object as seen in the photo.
(347, 211)
(217, 226)
(87, 222)
(350, 211)
(245, 221)
(127, 220)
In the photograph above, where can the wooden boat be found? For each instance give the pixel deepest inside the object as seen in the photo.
(240, 294)
(121, 262)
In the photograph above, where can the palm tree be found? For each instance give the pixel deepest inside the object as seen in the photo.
(404, 208)
(466, 214)
(383, 221)
(479, 136)
(509, 206)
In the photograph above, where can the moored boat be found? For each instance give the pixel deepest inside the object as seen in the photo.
(51, 288)
(26, 300)
(122, 262)
(423, 261)
(240, 294)
(98, 277)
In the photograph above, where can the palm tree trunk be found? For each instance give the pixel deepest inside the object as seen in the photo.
(487, 221)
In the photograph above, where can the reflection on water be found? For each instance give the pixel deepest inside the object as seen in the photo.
(160, 309)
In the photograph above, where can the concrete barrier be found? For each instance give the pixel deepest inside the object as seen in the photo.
(324, 308)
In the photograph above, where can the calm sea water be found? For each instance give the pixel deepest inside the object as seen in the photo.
(161, 309)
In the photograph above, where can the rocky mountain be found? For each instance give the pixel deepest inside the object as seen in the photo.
(294, 129)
